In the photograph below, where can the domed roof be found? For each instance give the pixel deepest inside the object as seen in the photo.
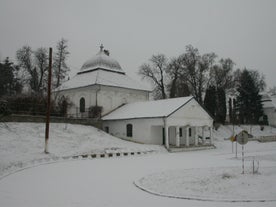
(101, 60)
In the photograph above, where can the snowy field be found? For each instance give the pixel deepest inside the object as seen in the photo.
(213, 175)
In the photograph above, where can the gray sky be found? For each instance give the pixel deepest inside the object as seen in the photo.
(243, 30)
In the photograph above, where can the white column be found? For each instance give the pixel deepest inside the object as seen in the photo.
(187, 137)
(196, 136)
(211, 135)
(177, 136)
(166, 134)
(203, 135)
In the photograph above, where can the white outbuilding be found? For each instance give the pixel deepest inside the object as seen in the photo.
(269, 107)
(177, 122)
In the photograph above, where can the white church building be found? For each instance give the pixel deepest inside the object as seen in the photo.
(126, 111)
(100, 82)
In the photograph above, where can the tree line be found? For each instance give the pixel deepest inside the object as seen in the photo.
(209, 79)
(24, 84)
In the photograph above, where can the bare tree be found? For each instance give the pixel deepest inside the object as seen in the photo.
(221, 75)
(35, 66)
(60, 67)
(177, 86)
(155, 71)
(195, 70)
(41, 59)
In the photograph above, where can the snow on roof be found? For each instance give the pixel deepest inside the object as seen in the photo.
(268, 104)
(273, 99)
(102, 77)
(268, 101)
(101, 60)
(148, 109)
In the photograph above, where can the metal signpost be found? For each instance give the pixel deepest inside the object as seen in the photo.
(242, 139)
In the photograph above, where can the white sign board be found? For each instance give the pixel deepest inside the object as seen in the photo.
(242, 137)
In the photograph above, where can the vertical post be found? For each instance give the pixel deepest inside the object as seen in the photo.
(233, 135)
(187, 137)
(196, 136)
(166, 133)
(177, 136)
(48, 102)
(211, 136)
(242, 159)
(253, 167)
(236, 148)
(203, 136)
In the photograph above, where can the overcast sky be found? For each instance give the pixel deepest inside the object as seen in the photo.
(243, 30)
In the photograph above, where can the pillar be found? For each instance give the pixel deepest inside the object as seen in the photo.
(177, 136)
(203, 136)
(196, 136)
(187, 137)
(211, 135)
(166, 134)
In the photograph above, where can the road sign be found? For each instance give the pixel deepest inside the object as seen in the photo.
(242, 137)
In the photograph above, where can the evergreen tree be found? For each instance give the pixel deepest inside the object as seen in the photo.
(9, 83)
(221, 106)
(230, 110)
(210, 100)
(249, 100)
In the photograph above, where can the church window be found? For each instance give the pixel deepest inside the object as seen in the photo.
(106, 129)
(129, 130)
(82, 105)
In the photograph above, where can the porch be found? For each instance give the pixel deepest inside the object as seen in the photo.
(180, 137)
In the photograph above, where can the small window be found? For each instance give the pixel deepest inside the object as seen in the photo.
(82, 105)
(129, 130)
(106, 129)
(190, 132)
(180, 132)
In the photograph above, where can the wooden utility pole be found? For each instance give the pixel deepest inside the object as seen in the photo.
(48, 102)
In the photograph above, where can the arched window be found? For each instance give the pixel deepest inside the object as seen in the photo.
(82, 105)
(129, 130)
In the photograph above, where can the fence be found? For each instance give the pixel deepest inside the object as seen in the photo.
(41, 119)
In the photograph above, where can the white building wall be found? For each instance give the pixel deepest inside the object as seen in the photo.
(191, 114)
(148, 131)
(271, 116)
(108, 97)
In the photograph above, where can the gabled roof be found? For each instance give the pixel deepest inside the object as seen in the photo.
(148, 109)
(102, 77)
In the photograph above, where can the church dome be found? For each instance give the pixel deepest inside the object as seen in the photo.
(101, 60)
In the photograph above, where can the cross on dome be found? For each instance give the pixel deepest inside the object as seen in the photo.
(101, 47)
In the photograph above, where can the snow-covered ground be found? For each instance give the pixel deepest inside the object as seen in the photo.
(22, 144)
(212, 174)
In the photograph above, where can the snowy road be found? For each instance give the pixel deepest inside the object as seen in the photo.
(109, 181)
